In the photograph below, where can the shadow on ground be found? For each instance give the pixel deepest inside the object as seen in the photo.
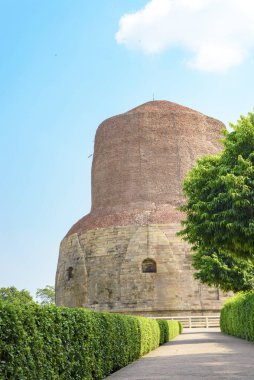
(195, 356)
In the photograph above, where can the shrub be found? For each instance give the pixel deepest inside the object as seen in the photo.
(237, 316)
(149, 334)
(56, 343)
(169, 329)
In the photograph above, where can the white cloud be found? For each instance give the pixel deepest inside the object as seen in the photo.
(219, 34)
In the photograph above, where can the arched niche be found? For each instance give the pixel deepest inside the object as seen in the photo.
(149, 266)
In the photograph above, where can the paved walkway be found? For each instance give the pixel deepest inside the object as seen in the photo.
(194, 355)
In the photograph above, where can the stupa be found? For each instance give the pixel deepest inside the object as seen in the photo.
(125, 256)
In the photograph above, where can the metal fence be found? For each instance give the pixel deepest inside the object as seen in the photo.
(197, 321)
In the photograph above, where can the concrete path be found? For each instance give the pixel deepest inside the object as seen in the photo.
(194, 355)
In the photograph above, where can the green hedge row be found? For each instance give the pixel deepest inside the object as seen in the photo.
(51, 343)
(237, 316)
(169, 330)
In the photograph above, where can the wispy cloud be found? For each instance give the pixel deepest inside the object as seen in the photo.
(218, 34)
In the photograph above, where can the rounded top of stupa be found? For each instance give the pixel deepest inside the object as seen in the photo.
(160, 106)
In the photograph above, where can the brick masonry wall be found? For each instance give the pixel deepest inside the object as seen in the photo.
(140, 160)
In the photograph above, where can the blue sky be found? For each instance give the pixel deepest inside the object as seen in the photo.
(63, 70)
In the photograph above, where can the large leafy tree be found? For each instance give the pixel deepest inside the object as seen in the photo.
(224, 271)
(12, 294)
(219, 211)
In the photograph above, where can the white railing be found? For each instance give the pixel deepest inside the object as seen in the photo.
(197, 320)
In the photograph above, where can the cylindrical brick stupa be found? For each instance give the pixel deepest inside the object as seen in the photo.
(125, 256)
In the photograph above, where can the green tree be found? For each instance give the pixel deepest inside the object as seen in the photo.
(46, 296)
(12, 294)
(215, 268)
(219, 209)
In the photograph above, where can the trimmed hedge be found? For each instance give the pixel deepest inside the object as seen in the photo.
(237, 316)
(169, 330)
(53, 343)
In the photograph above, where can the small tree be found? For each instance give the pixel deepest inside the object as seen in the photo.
(46, 296)
(219, 222)
(12, 294)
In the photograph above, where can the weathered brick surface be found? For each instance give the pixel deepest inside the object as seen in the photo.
(140, 160)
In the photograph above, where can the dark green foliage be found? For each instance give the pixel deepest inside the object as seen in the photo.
(237, 316)
(224, 271)
(12, 294)
(219, 211)
(53, 343)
